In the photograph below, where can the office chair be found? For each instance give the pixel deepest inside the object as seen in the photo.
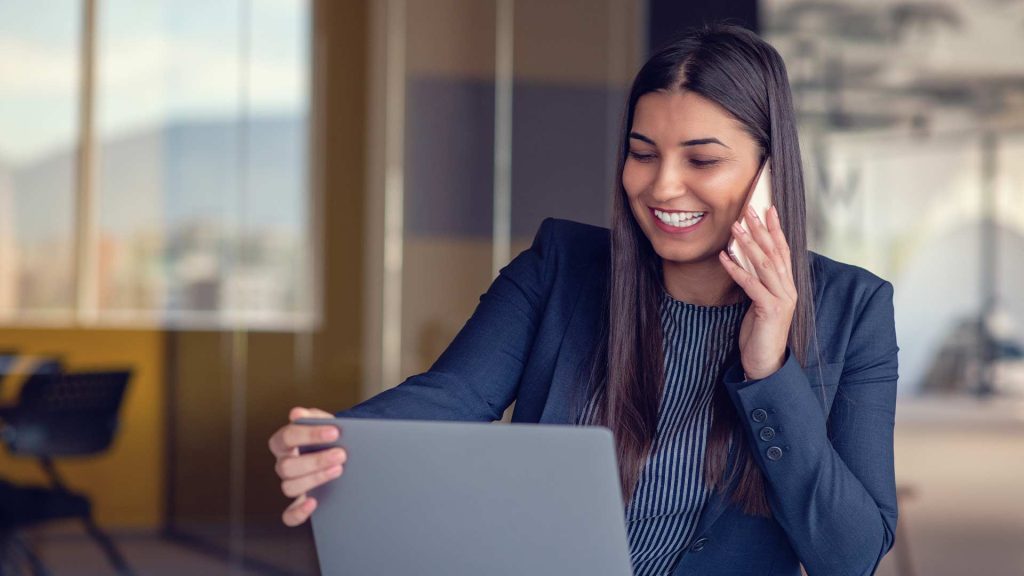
(7, 360)
(9, 366)
(58, 415)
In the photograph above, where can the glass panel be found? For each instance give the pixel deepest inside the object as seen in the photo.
(570, 67)
(574, 61)
(1007, 321)
(909, 121)
(270, 283)
(39, 87)
(449, 172)
(906, 209)
(242, 259)
(167, 114)
(202, 192)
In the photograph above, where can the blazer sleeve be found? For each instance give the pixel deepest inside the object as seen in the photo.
(830, 480)
(477, 376)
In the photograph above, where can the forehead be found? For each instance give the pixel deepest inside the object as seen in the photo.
(678, 115)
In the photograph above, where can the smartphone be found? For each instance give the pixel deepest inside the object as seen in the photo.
(760, 198)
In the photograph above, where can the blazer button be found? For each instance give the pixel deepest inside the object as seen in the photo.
(767, 433)
(774, 453)
(759, 415)
(698, 545)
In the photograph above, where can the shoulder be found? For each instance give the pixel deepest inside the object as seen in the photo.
(839, 282)
(853, 310)
(572, 233)
(574, 244)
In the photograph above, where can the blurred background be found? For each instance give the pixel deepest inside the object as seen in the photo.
(213, 211)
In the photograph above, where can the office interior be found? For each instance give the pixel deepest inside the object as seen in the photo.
(216, 211)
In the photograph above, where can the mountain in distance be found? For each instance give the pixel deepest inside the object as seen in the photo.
(169, 176)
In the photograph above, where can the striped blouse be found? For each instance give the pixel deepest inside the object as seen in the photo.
(670, 494)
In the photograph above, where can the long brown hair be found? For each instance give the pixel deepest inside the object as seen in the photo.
(742, 73)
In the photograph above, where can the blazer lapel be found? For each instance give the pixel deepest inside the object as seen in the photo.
(717, 501)
(577, 345)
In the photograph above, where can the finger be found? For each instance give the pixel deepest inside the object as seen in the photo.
(761, 233)
(297, 466)
(765, 266)
(298, 511)
(295, 487)
(295, 435)
(278, 447)
(750, 284)
(285, 441)
(771, 267)
(783, 266)
(775, 227)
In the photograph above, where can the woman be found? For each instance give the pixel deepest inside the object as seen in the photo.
(752, 413)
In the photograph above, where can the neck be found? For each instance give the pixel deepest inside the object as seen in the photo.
(703, 283)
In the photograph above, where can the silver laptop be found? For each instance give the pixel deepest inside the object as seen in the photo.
(471, 499)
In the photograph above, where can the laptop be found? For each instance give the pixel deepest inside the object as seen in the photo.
(468, 499)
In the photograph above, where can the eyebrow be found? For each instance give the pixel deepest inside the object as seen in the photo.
(695, 142)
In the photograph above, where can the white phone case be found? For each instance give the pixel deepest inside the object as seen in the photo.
(760, 197)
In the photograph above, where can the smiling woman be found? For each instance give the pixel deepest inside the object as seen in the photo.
(733, 458)
(702, 116)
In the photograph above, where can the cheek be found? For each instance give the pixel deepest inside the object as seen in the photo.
(724, 192)
(634, 187)
(634, 179)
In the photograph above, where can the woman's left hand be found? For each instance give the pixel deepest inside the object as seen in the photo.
(764, 332)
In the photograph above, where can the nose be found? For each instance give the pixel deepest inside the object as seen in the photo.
(670, 183)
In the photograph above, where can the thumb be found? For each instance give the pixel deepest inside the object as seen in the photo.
(299, 412)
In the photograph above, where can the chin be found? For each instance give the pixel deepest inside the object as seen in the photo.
(675, 254)
(690, 253)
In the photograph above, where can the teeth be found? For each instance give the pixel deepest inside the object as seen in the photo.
(679, 219)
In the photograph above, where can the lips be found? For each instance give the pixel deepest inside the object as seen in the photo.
(677, 222)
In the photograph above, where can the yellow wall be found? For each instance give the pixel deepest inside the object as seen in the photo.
(127, 483)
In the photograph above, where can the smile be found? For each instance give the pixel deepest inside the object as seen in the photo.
(678, 219)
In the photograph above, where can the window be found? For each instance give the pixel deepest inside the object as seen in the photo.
(39, 79)
(197, 209)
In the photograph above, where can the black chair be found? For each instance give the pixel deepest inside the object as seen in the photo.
(39, 365)
(7, 360)
(58, 415)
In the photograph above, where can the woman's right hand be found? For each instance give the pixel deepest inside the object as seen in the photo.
(300, 473)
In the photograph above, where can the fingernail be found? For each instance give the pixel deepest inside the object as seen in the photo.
(739, 229)
(329, 434)
(752, 212)
(337, 456)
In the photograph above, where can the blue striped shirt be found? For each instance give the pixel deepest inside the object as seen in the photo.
(671, 492)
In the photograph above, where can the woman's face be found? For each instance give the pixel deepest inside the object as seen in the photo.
(689, 167)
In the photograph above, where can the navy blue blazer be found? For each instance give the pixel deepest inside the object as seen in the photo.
(828, 464)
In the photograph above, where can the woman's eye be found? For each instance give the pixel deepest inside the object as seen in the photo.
(702, 163)
(641, 157)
